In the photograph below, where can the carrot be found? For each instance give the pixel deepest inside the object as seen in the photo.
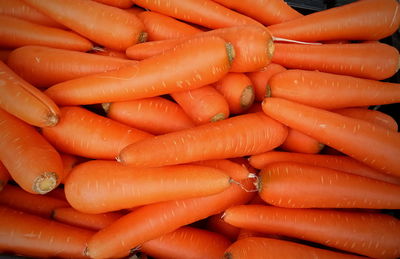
(4, 176)
(106, 25)
(30, 235)
(367, 60)
(31, 161)
(374, 146)
(235, 170)
(237, 136)
(109, 53)
(69, 162)
(89, 188)
(41, 205)
(203, 104)
(266, 12)
(297, 141)
(182, 68)
(206, 13)
(135, 10)
(216, 224)
(259, 79)
(44, 66)
(162, 27)
(187, 242)
(336, 162)
(57, 193)
(4, 53)
(84, 133)
(237, 90)
(296, 185)
(330, 91)
(70, 216)
(361, 20)
(370, 234)
(16, 33)
(117, 3)
(261, 247)
(244, 163)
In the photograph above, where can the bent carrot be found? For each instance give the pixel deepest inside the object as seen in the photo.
(4, 176)
(330, 91)
(31, 161)
(30, 235)
(44, 66)
(182, 68)
(237, 136)
(84, 133)
(297, 141)
(374, 146)
(370, 234)
(16, 33)
(360, 20)
(203, 104)
(367, 60)
(106, 25)
(216, 224)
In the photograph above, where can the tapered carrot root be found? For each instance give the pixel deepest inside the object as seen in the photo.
(237, 136)
(234, 170)
(216, 224)
(361, 20)
(29, 235)
(330, 91)
(4, 176)
(44, 66)
(370, 234)
(204, 104)
(84, 133)
(297, 141)
(182, 68)
(367, 60)
(16, 33)
(106, 25)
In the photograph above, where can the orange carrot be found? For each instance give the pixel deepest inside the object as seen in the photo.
(296, 185)
(41, 205)
(182, 68)
(266, 12)
(330, 91)
(44, 66)
(187, 242)
(84, 133)
(237, 136)
(117, 3)
(69, 162)
(106, 25)
(4, 53)
(70, 216)
(235, 170)
(297, 141)
(203, 104)
(31, 161)
(367, 60)
(269, 248)
(162, 27)
(4, 176)
(109, 52)
(30, 235)
(374, 146)
(244, 163)
(259, 79)
(370, 234)
(16, 33)
(206, 13)
(135, 10)
(216, 224)
(361, 20)
(57, 193)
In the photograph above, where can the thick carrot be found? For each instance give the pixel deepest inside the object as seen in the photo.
(297, 141)
(16, 33)
(297, 185)
(216, 224)
(237, 90)
(162, 27)
(235, 170)
(106, 25)
(44, 66)
(70, 216)
(269, 248)
(367, 60)
(374, 146)
(30, 235)
(237, 136)
(117, 3)
(31, 161)
(204, 104)
(206, 13)
(330, 91)
(266, 12)
(361, 20)
(4, 176)
(370, 234)
(182, 68)
(259, 79)
(187, 242)
(41, 205)
(87, 134)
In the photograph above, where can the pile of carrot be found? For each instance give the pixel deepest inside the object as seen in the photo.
(198, 129)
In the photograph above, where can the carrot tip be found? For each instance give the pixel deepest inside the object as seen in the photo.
(143, 37)
(52, 119)
(106, 106)
(45, 183)
(230, 52)
(218, 117)
(268, 92)
(119, 160)
(247, 97)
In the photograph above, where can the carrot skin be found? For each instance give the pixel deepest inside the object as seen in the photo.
(216, 224)
(4, 176)
(234, 170)
(297, 141)
(117, 3)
